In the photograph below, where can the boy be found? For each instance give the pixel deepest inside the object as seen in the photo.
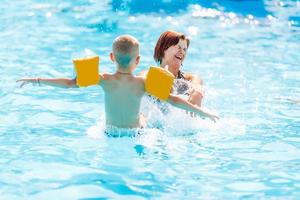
(123, 90)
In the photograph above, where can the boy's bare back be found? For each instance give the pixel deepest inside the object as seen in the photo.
(123, 93)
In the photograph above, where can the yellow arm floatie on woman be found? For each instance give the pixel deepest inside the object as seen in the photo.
(87, 71)
(159, 82)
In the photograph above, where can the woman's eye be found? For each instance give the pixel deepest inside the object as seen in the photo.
(184, 49)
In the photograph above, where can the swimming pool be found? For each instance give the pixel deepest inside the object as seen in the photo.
(50, 138)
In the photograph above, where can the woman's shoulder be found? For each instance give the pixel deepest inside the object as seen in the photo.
(189, 76)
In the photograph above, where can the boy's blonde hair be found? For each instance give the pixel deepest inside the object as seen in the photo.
(125, 49)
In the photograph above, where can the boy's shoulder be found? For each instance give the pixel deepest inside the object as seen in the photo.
(140, 78)
(106, 76)
(134, 78)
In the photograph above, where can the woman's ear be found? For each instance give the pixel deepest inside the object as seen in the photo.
(112, 57)
(137, 60)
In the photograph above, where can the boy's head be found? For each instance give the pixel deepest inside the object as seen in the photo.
(125, 51)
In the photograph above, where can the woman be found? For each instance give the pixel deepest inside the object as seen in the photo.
(170, 52)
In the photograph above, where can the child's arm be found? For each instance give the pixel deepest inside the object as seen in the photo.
(183, 104)
(57, 82)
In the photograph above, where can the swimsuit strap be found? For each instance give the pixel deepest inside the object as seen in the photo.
(180, 75)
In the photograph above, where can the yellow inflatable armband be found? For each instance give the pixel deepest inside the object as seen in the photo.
(87, 71)
(159, 82)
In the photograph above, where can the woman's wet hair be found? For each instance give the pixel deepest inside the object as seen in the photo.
(167, 39)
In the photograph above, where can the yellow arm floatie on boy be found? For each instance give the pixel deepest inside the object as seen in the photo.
(159, 82)
(87, 71)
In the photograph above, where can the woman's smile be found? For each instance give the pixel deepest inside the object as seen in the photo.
(175, 54)
(179, 57)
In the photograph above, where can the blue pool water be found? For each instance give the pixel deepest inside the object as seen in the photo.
(51, 139)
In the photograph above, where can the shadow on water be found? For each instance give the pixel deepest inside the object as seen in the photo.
(243, 7)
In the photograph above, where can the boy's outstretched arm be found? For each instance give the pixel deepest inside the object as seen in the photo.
(57, 82)
(183, 104)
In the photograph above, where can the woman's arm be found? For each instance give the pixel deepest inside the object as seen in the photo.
(183, 104)
(57, 82)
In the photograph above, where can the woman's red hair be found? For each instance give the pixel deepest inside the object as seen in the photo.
(167, 39)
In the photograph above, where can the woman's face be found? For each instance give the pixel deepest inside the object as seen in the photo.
(174, 55)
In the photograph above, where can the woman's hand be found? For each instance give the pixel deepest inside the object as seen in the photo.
(197, 91)
(195, 98)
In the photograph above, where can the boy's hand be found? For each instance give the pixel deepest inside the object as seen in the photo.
(25, 81)
(209, 114)
(214, 118)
